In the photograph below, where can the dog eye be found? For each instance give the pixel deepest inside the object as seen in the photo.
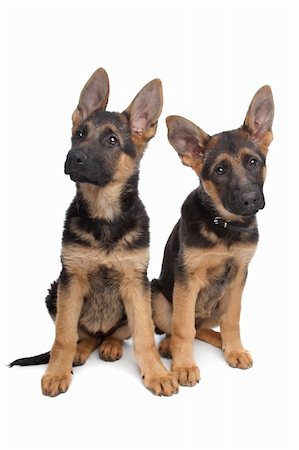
(253, 162)
(79, 134)
(219, 170)
(112, 140)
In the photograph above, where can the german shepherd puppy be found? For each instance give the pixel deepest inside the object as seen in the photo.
(207, 254)
(102, 295)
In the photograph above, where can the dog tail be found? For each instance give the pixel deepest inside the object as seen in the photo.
(32, 360)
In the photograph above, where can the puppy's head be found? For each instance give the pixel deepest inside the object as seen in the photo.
(230, 165)
(107, 146)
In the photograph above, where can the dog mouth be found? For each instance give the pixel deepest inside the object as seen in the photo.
(242, 212)
(250, 213)
(78, 177)
(245, 214)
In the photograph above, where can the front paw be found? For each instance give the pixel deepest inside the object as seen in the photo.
(164, 348)
(166, 385)
(111, 349)
(55, 384)
(81, 356)
(240, 359)
(187, 376)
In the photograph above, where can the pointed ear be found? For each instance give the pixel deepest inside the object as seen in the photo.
(145, 110)
(259, 118)
(188, 140)
(93, 96)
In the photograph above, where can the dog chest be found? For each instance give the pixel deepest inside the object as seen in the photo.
(213, 288)
(105, 273)
(213, 271)
(103, 308)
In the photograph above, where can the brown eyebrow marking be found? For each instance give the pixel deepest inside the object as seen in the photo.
(236, 160)
(107, 128)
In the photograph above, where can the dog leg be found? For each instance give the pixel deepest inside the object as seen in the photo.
(164, 347)
(85, 346)
(111, 347)
(137, 301)
(162, 312)
(234, 353)
(210, 336)
(57, 377)
(183, 333)
(162, 316)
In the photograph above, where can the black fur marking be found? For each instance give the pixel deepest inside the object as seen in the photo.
(64, 277)
(145, 281)
(51, 299)
(169, 266)
(71, 238)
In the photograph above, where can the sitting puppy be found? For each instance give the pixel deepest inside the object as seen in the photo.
(102, 295)
(207, 254)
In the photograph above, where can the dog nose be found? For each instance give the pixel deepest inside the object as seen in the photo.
(74, 161)
(78, 158)
(249, 200)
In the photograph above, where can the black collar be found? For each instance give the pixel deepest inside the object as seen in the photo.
(227, 225)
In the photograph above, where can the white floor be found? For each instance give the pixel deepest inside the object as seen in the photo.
(107, 406)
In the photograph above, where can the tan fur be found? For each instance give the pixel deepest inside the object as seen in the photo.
(162, 312)
(126, 166)
(195, 164)
(183, 332)
(140, 142)
(213, 257)
(83, 261)
(268, 138)
(69, 303)
(138, 307)
(230, 310)
(85, 346)
(111, 349)
(164, 347)
(210, 336)
(103, 202)
(209, 235)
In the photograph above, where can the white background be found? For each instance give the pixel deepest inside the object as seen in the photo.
(211, 57)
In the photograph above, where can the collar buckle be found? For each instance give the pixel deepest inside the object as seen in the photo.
(221, 222)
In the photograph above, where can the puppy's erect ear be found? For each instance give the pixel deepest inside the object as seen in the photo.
(144, 112)
(94, 96)
(188, 140)
(259, 118)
